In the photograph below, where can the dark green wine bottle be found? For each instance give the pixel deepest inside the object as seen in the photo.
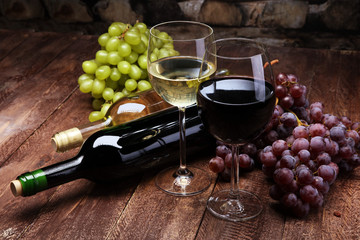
(121, 151)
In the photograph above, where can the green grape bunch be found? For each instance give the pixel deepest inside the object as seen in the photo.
(120, 66)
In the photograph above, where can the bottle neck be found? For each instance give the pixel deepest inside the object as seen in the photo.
(51, 176)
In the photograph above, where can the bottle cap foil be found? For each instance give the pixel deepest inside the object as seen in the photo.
(66, 140)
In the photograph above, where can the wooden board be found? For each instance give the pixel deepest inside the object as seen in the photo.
(39, 96)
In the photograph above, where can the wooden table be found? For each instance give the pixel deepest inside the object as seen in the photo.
(39, 96)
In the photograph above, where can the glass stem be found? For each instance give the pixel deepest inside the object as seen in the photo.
(182, 169)
(234, 188)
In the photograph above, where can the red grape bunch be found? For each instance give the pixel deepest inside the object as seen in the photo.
(302, 150)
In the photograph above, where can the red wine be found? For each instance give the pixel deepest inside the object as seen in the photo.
(235, 109)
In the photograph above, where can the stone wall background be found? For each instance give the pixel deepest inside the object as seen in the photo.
(331, 24)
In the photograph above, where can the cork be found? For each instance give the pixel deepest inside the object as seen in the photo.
(16, 188)
(66, 140)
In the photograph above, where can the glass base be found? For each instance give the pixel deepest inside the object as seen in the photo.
(240, 207)
(190, 182)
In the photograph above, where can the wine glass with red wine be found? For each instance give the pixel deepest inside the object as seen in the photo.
(235, 108)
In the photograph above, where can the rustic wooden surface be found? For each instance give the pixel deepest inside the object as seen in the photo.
(39, 96)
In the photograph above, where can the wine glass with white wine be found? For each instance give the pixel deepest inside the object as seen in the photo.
(176, 68)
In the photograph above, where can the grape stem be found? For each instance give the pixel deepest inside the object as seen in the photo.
(271, 63)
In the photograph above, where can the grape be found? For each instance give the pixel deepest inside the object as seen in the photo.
(288, 119)
(102, 72)
(103, 38)
(318, 105)
(321, 185)
(89, 67)
(141, 26)
(354, 135)
(287, 102)
(304, 156)
(304, 176)
(124, 49)
(308, 193)
(132, 58)
(271, 136)
(111, 84)
(323, 158)
(112, 44)
(292, 78)
(97, 103)
(108, 94)
(245, 161)
(140, 48)
(331, 121)
(95, 116)
(317, 144)
(249, 149)
(228, 160)
(114, 30)
(135, 72)
(317, 129)
(142, 61)
(278, 147)
(283, 176)
(281, 79)
(132, 36)
(113, 58)
(300, 132)
(346, 152)
(98, 86)
(143, 85)
(300, 101)
(216, 164)
(289, 200)
(300, 144)
(101, 56)
(84, 77)
(268, 158)
(86, 85)
(287, 161)
(296, 91)
(301, 209)
(337, 134)
(124, 67)
(280, 91)
(316, 114)
(222, 151)
(327, 173)
(118, 96)
(115, 74)
(130, 85)
(276, 192)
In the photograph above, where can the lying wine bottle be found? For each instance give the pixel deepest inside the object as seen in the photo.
(122, 111)
(121, 151)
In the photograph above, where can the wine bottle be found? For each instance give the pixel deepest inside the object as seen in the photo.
(120, 151)
(124, 110)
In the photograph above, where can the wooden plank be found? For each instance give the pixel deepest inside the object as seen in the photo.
(19, 214)
(42, 90)
(10, 40)
(268, 225)
(152, 214)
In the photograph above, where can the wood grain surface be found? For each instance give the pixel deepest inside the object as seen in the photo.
(39, 96)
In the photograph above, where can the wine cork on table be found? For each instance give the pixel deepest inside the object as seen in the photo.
(16, 188)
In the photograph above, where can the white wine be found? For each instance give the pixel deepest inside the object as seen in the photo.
(176, 79)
